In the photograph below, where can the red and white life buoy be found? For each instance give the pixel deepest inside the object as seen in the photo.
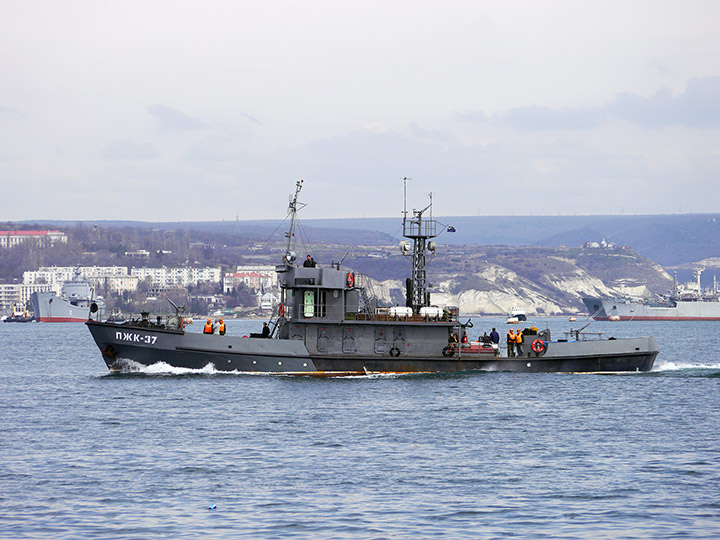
(350, 280)
(281, 309)
(538, 346)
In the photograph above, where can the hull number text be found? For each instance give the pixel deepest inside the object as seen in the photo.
(136, 338)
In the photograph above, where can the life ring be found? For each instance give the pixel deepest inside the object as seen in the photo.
(539, 347)
(448, 351)
(110, 352)
(281, 309)
(350, 280)
(394, 352)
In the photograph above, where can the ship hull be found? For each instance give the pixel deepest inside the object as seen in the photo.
(49, 307)
(123, 346)
(624, 310)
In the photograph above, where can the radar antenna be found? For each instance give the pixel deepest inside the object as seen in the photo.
(419, 230)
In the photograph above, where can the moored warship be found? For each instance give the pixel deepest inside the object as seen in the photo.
(327, 325)
(686, 302)
(71, 305)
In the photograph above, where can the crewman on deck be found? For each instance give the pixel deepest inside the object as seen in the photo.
(511, 343)
(221, 325)
(208, 327)
(265, 330)
(519, 338)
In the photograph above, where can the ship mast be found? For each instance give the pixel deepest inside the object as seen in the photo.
(419, 230)
(292, 211)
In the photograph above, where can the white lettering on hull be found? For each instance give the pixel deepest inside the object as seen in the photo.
(135, 337)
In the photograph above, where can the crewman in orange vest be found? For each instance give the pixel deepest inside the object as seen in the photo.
(519, 338)
(222, 327)
(208, 327)
(511, 343)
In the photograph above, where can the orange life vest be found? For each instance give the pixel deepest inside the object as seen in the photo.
(208, 327)
(519, 337)
(511, 337)
(222, 327)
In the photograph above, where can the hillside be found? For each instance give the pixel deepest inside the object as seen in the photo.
(671, 240)
(491, 280)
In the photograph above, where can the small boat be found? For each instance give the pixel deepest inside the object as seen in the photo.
(19, 314)
(512, 320)
(572, 319)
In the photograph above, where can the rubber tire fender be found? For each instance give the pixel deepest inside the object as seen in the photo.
(448, 351)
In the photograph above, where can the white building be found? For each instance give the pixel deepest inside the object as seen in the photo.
(267, 300)
(178, 277)
(10, 239)
(114, 278)
(60, 274)
(17, 293)
(9, 295)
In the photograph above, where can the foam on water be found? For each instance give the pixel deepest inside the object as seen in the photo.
(669, 365)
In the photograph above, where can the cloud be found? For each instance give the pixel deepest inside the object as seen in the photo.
(534, 117)
(698, 106)
(127, 149)
(251, 118)
(170, 119)
(223, 146)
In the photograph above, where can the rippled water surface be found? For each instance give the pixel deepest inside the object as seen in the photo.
(87, 454)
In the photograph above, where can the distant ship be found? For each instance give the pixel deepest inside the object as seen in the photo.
(517, 315)
(687, 302)
(72, 305)
(19, 314)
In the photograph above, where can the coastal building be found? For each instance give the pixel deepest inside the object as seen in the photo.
(17, 293)
(9, 295)
(61, 274)
(257, 278)
(102, 278)
(267, 300)
(178, 277)
(10, 239)
(138, 254)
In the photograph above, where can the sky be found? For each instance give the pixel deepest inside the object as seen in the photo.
(177, 110)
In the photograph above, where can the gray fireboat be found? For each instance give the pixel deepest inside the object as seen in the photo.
(327, 325)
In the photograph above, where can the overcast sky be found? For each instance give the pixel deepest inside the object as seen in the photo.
(210, 110)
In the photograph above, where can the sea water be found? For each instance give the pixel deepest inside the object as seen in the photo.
(167, 453)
